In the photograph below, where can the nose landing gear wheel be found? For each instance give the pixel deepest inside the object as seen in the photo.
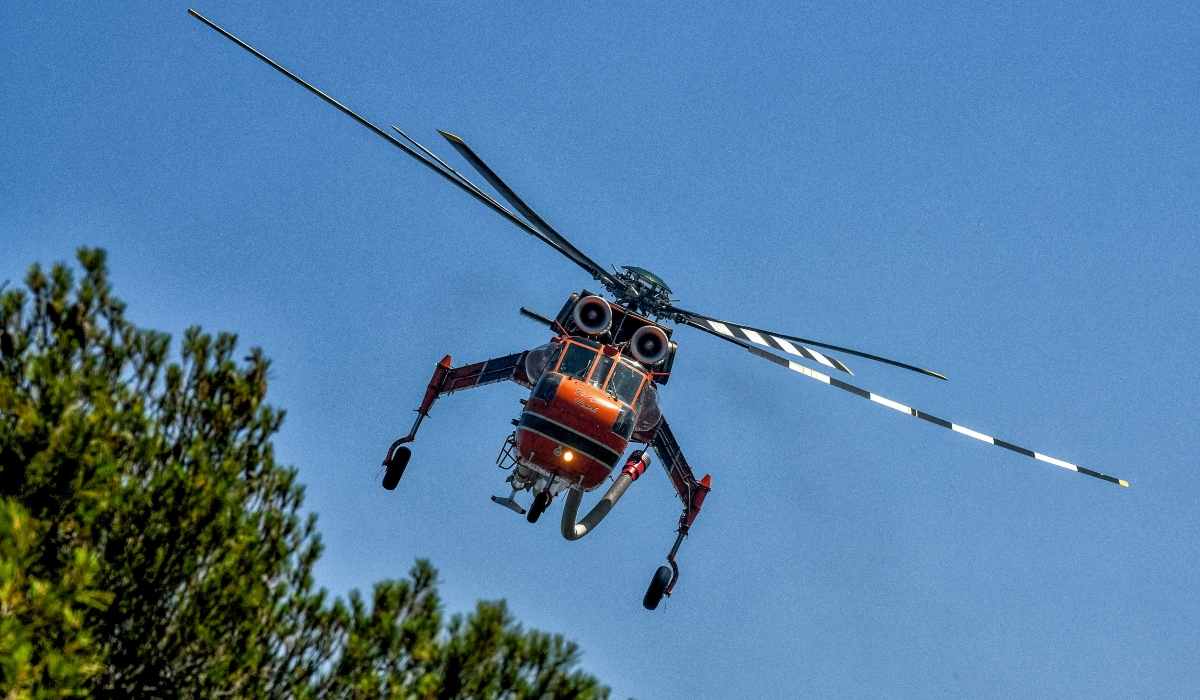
(395, 467)
(540, 503)
(658, 585)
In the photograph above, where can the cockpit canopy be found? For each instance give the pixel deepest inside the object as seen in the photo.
(620, 377)
(582, 359)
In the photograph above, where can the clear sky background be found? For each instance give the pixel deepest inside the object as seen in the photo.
(1004, 193)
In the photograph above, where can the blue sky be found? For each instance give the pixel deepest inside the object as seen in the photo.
(1004, 193)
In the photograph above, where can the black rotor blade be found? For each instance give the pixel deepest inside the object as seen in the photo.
(453, 177)
(524, 209)
(430, 154)
(771, 339)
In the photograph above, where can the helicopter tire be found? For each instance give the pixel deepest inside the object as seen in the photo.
(540, 503)
(395, 468)
(658, 585)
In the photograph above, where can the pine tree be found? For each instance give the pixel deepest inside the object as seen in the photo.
(151, 546)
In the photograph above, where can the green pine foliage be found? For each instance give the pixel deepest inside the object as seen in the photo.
(151, 546)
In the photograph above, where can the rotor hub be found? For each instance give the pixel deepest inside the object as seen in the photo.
(642, 291)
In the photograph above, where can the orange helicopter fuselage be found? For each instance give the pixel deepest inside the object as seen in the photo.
(581, 413)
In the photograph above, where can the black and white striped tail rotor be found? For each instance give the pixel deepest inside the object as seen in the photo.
(895, 405)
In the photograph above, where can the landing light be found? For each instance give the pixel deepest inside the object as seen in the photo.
(568, 456)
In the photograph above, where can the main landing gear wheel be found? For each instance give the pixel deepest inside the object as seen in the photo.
(395, 467)
(540, 503)
(658, 586)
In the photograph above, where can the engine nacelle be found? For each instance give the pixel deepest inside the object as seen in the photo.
(592, 315)
(649, 345)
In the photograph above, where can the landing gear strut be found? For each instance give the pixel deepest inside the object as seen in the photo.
(666, 577)
(398, 455)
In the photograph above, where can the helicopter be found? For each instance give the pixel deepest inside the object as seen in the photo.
(593, 386)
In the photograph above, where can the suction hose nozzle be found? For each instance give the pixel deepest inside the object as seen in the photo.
(572, 530)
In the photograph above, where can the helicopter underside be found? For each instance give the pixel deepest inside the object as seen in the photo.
(558, 453)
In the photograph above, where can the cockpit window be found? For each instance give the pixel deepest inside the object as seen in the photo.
(576, 361)
(601, 372)
(624, 383)
(538, 359)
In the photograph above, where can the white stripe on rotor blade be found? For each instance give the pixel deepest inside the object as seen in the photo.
(755, 337)
(1056, 462)
(821, 358)
(971, 433)
(796, 367)
(891, 404)
(787, 347)
(721, 328)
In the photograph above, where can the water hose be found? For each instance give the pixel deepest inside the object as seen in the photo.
(573, 530)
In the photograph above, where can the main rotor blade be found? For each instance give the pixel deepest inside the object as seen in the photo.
(453, 177)
(735, 333)
(459, 176)
(894, 405)
(778, 341)
(524, 209)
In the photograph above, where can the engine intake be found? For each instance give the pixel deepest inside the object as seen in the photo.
(649, 345)
(592, 315)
